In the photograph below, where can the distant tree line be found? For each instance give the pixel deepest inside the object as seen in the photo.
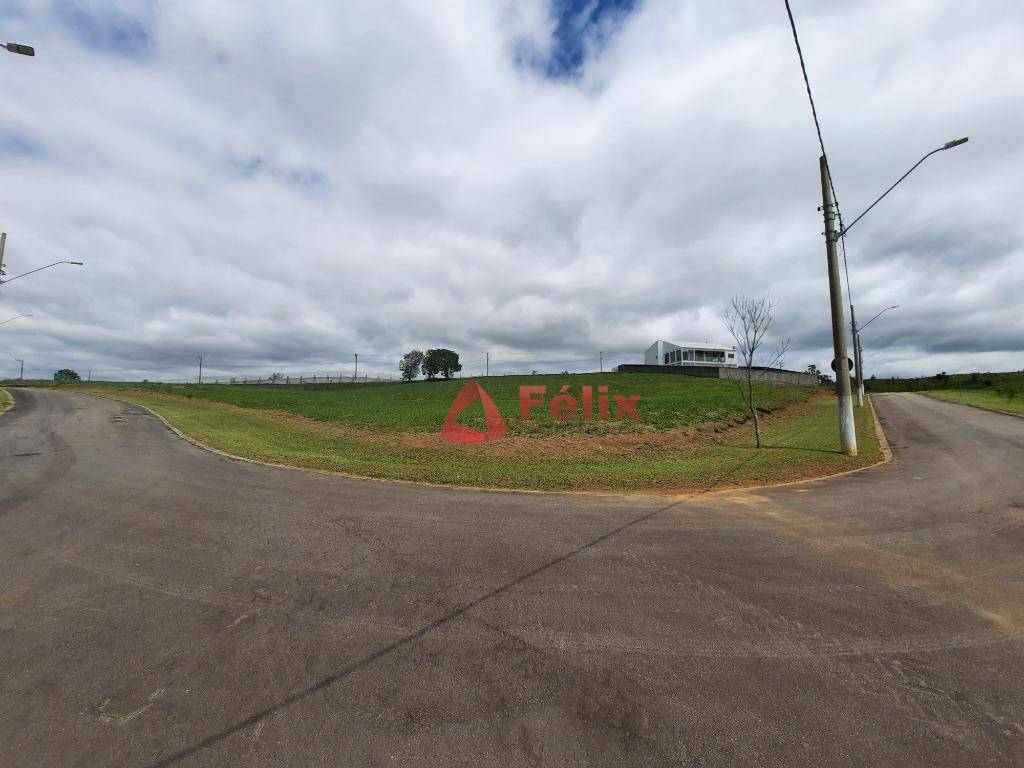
(1009, 384)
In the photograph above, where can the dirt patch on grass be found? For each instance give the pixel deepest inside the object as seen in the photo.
(575, 444)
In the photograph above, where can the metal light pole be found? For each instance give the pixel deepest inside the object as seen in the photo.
(601, 359)
(14, 318)
(355, 373)
(200, 359)
(21, 376)
(841, 363)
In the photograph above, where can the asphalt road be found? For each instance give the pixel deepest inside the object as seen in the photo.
(160, 605)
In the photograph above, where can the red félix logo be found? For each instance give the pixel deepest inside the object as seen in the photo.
(454, 432)
(563, 407)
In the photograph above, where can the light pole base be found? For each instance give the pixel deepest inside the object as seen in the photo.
(847, 428)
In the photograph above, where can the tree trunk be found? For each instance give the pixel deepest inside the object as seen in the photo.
(757, 427)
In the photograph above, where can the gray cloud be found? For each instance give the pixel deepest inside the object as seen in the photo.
(282, 189)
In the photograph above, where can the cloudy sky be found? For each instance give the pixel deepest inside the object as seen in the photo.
(280, 185)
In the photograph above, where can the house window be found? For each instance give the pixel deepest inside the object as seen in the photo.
(668, 357)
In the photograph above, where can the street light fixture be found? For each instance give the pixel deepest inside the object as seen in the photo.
(24, 50)
(14, 318)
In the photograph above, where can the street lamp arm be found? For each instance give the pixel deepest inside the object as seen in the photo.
(38, 269)
(862, 327)
(14, 318)
(943, 148)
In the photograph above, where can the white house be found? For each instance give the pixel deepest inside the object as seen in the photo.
(690, 353)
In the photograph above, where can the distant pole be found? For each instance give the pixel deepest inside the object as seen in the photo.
(488, 373)
(601, 358)
(200, 359)
(3, 244)
(355, 373)
(860, 369)
(90, 374)
(847, 432)
(21, 376)
(856, 358)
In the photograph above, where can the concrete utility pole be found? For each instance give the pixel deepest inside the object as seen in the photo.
(847, 431)
(600, 356)
(355, 373)
(860, 369)
(21, 376)
(856, 357)
(3, 244)
(488, 373)
(200, 359)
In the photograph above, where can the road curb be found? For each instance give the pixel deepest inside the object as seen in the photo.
(883, 441)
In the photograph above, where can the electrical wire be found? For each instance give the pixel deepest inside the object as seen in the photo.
(821, 143)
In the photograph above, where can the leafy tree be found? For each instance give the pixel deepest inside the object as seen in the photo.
(411, 364)
(441, 361)
(66, 374)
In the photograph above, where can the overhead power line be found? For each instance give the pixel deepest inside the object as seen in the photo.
(821, 143)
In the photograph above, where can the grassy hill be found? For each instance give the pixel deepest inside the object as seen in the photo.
(690, 434)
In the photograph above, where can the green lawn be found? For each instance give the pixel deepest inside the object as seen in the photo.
(800, 444)
(666, 401)
(982, 398)
(5, 400)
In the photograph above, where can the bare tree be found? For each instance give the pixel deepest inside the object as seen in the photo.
(749, 320)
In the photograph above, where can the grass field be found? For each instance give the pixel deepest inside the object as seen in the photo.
(689, 437)
(666, 402)
(981, 398)
(5, 400)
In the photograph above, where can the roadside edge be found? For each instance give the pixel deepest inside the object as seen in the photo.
(969, 405)
(9, 405)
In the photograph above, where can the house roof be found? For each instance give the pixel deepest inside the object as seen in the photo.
(698, 345)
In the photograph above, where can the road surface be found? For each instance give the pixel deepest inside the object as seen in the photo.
(161, 605)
